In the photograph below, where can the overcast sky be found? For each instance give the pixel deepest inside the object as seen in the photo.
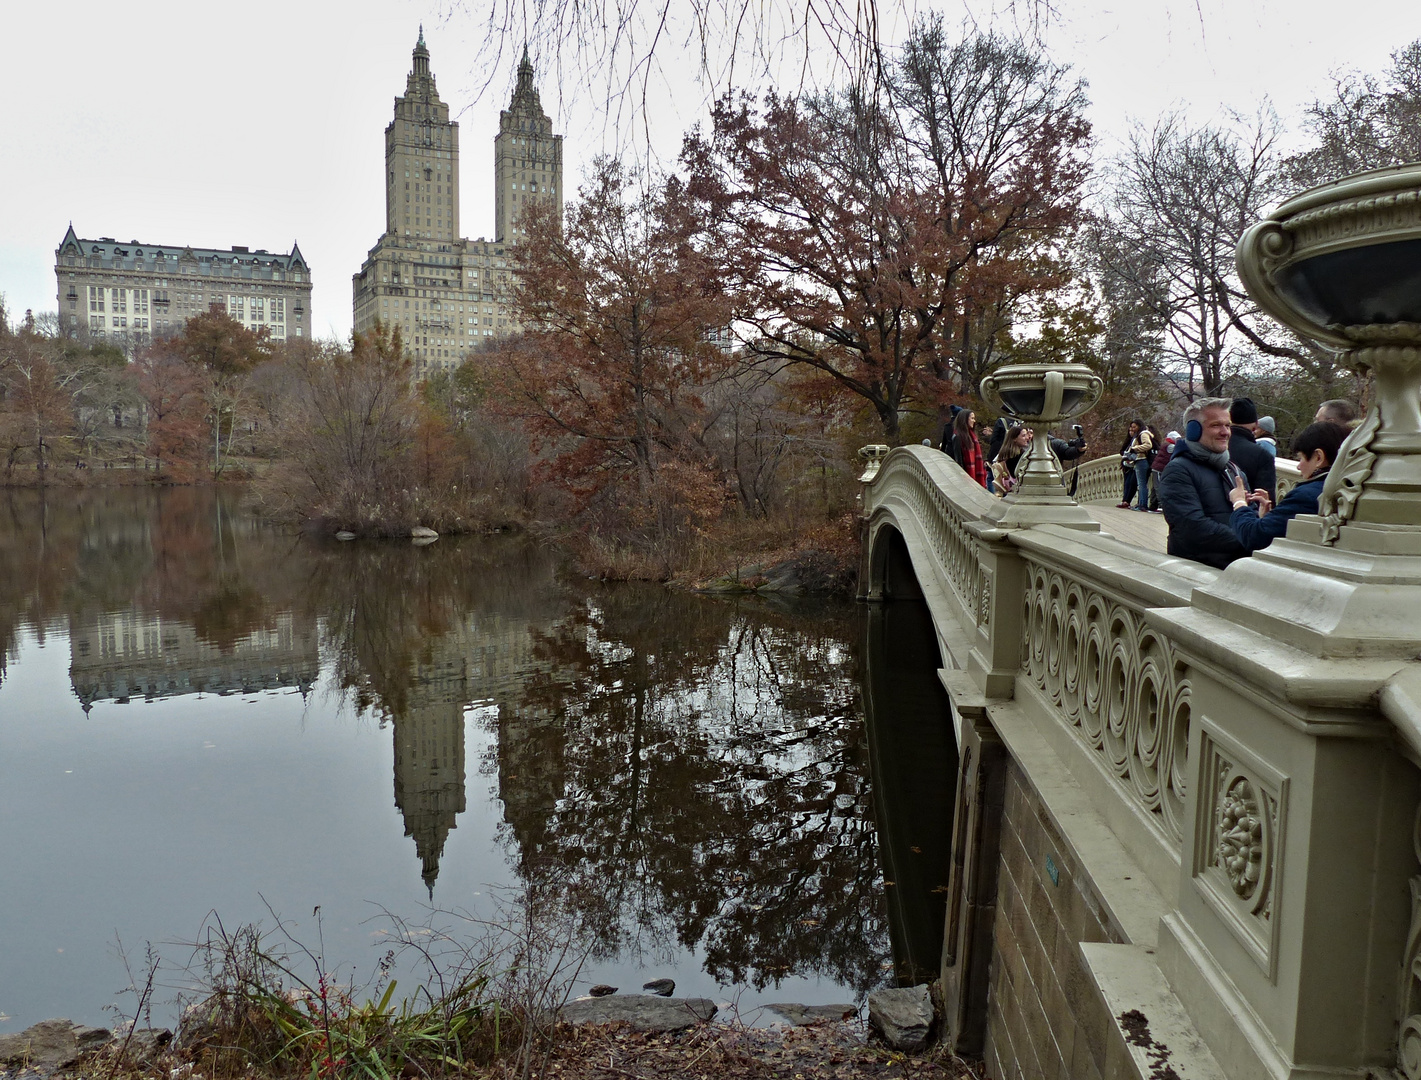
(174, 123)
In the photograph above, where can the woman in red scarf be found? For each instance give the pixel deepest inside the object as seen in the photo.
(966, 450)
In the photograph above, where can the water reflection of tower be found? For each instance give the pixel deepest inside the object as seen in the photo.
(429, 750)
(485, 660)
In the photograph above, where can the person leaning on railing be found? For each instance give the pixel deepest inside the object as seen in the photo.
(1015, 443)
(1255, 520)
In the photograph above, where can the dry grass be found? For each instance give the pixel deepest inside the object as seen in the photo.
(830, 1051)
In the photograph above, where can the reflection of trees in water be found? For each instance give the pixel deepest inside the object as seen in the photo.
(700, 768)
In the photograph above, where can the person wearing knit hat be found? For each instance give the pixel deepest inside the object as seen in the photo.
(1243, 412)
(1266, 435)
(1256, 462)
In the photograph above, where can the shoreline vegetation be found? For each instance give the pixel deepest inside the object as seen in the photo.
(719, 1050)
(332, 440)
(493, 998)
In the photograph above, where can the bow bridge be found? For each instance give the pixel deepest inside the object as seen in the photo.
(1185, 798)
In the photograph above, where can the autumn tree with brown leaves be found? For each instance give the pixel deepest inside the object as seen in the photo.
(172, 394)
(609, 375)
(224, 353)
(886, 240)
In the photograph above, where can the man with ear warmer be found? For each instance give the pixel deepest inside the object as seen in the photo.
(1194, 487)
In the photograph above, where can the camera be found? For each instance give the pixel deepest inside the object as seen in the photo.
(1080, 431)
(1079, 441)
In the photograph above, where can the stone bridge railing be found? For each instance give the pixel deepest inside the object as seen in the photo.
(1178, 796)
(1100, 480)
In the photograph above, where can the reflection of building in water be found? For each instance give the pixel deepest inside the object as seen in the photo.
(484, 660)
(429, 751)
(121, 655)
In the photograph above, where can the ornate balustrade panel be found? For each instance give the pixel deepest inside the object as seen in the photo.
(1288, 476)
(1114, 683)
(1098, 481)
(940, 499)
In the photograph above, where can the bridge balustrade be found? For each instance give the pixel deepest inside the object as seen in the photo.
(1106, 676)
(1288, 476)
(1100, 480)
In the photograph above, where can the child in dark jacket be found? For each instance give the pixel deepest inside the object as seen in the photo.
(1256, 521)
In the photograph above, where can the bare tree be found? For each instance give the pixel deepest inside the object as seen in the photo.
(885, 241)
(1182, 198)
(1368, 122)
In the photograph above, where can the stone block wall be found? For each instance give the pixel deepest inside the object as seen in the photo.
(1045, 1019)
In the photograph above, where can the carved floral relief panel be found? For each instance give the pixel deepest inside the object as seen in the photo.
(1238, 846)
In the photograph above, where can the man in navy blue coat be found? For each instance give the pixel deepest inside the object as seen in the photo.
(1194, 487)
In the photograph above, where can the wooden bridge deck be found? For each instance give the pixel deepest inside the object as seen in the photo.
(1130, 526)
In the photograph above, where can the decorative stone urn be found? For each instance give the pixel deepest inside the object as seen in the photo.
(1042, 396)
(873, 456)
(1341, 265)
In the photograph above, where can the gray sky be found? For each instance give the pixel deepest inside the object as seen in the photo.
(175, 123)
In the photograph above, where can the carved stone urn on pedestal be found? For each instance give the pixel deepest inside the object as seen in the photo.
(1041, 396)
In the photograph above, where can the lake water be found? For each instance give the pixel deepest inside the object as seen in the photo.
(202, 718)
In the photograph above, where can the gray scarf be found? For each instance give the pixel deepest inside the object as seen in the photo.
(1219, 461)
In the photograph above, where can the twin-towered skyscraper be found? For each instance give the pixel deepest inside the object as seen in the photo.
(447, 294)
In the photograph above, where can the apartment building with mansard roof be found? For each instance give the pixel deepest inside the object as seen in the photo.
(446, 293)
(129, 293)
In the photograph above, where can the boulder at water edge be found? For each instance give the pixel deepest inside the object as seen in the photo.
(800, 1015)
(50, 1044)
(643, 1012)
(903, 1016)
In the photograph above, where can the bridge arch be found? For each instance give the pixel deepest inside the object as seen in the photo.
(890, 565)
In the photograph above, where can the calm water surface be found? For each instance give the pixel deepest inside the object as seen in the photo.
(201, 717)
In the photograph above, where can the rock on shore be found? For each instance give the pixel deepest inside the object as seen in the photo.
(903, 1016)
(58, 1044)
(643, 1012)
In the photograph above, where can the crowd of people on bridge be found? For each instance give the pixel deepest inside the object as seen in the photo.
(996, 468)
(1216, 483)
(1219, 491)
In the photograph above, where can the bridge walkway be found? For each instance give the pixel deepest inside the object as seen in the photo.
(1148, 531)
